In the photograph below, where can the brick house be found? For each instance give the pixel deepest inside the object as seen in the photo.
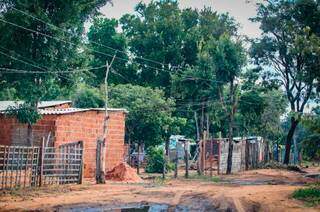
(66, 124)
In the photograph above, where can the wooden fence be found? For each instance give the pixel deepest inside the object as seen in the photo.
(61, 165)
(22, 166)
(18, 166)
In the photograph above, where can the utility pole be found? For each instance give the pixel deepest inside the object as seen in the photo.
(105, 124)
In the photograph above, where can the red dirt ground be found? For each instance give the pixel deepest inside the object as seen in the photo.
(258, 190)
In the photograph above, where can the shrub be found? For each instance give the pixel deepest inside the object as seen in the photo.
(309, 195)
(87, 97)
(156, 161)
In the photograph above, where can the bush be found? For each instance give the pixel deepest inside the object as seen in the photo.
(156, 161)
(87, 97)
(309, 195)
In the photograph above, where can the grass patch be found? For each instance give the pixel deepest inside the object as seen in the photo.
(310, 195)
(214, 179)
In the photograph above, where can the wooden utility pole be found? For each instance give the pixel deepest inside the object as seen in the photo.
(105, 126)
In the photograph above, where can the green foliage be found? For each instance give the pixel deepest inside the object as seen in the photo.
(214, 179)
(104, 31)
(88, 97)
(290, 46)
(44, 55)
(156, 161)
(25, 113)
(311, 142)
(310, 195)
(150, 120)
(7, 94)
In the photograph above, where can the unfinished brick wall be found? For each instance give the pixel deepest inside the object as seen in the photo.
(14, 133)
(6, 125)
(88, 127)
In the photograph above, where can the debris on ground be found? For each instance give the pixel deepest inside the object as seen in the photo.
(124, 173)
(278, 165)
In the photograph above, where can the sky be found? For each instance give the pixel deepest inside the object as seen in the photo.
(241, 10)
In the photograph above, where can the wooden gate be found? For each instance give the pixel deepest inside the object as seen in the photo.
(62, 165)
(18, 166)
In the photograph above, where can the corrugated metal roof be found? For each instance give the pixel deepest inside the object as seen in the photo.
(46, 104)
(5, 104)
(76, 110)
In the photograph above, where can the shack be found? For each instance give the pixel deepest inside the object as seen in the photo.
(62, 123)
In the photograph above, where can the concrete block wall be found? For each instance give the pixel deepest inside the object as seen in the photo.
(237, 156)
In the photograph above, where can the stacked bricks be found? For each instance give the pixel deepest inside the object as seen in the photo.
(14, 133)
(86, 126)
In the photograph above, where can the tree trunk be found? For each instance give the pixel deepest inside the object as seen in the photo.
(197, 125)
(277, 159)
(231, 125)
(202, 121)
(29, 135)
(294, 124)
(167, 147)
(138, 160)
(197, 141)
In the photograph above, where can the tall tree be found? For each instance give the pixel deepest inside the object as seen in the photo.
(150, 120)
(229, 58)
(33, 43)
(290, 44)
(155, 33)
(106, 42)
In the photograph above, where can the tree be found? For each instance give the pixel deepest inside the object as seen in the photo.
(155, 33)
(105, 42)
(311, 141)
(290, 45)
(195, 86)
(88, 97)
(150, 113)
(229, 58)
(32, 43)
(150, 120)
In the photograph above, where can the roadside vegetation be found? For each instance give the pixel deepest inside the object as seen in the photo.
(310, 195)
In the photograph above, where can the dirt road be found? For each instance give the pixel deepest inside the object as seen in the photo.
(262, 190)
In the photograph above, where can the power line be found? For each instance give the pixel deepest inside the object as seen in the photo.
(94, 42)
(14, 58)
(71, 43)
(43, 68)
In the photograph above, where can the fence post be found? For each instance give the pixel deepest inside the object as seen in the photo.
(186, 155)
(42, 152)
(81, 162)
(176, 161)
(164, 164)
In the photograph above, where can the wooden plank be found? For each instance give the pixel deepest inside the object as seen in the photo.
(81, 164)
(42, 155)
(26, 167)
(11, 167)
(3, 168)
(31, 174)
(18, 167)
